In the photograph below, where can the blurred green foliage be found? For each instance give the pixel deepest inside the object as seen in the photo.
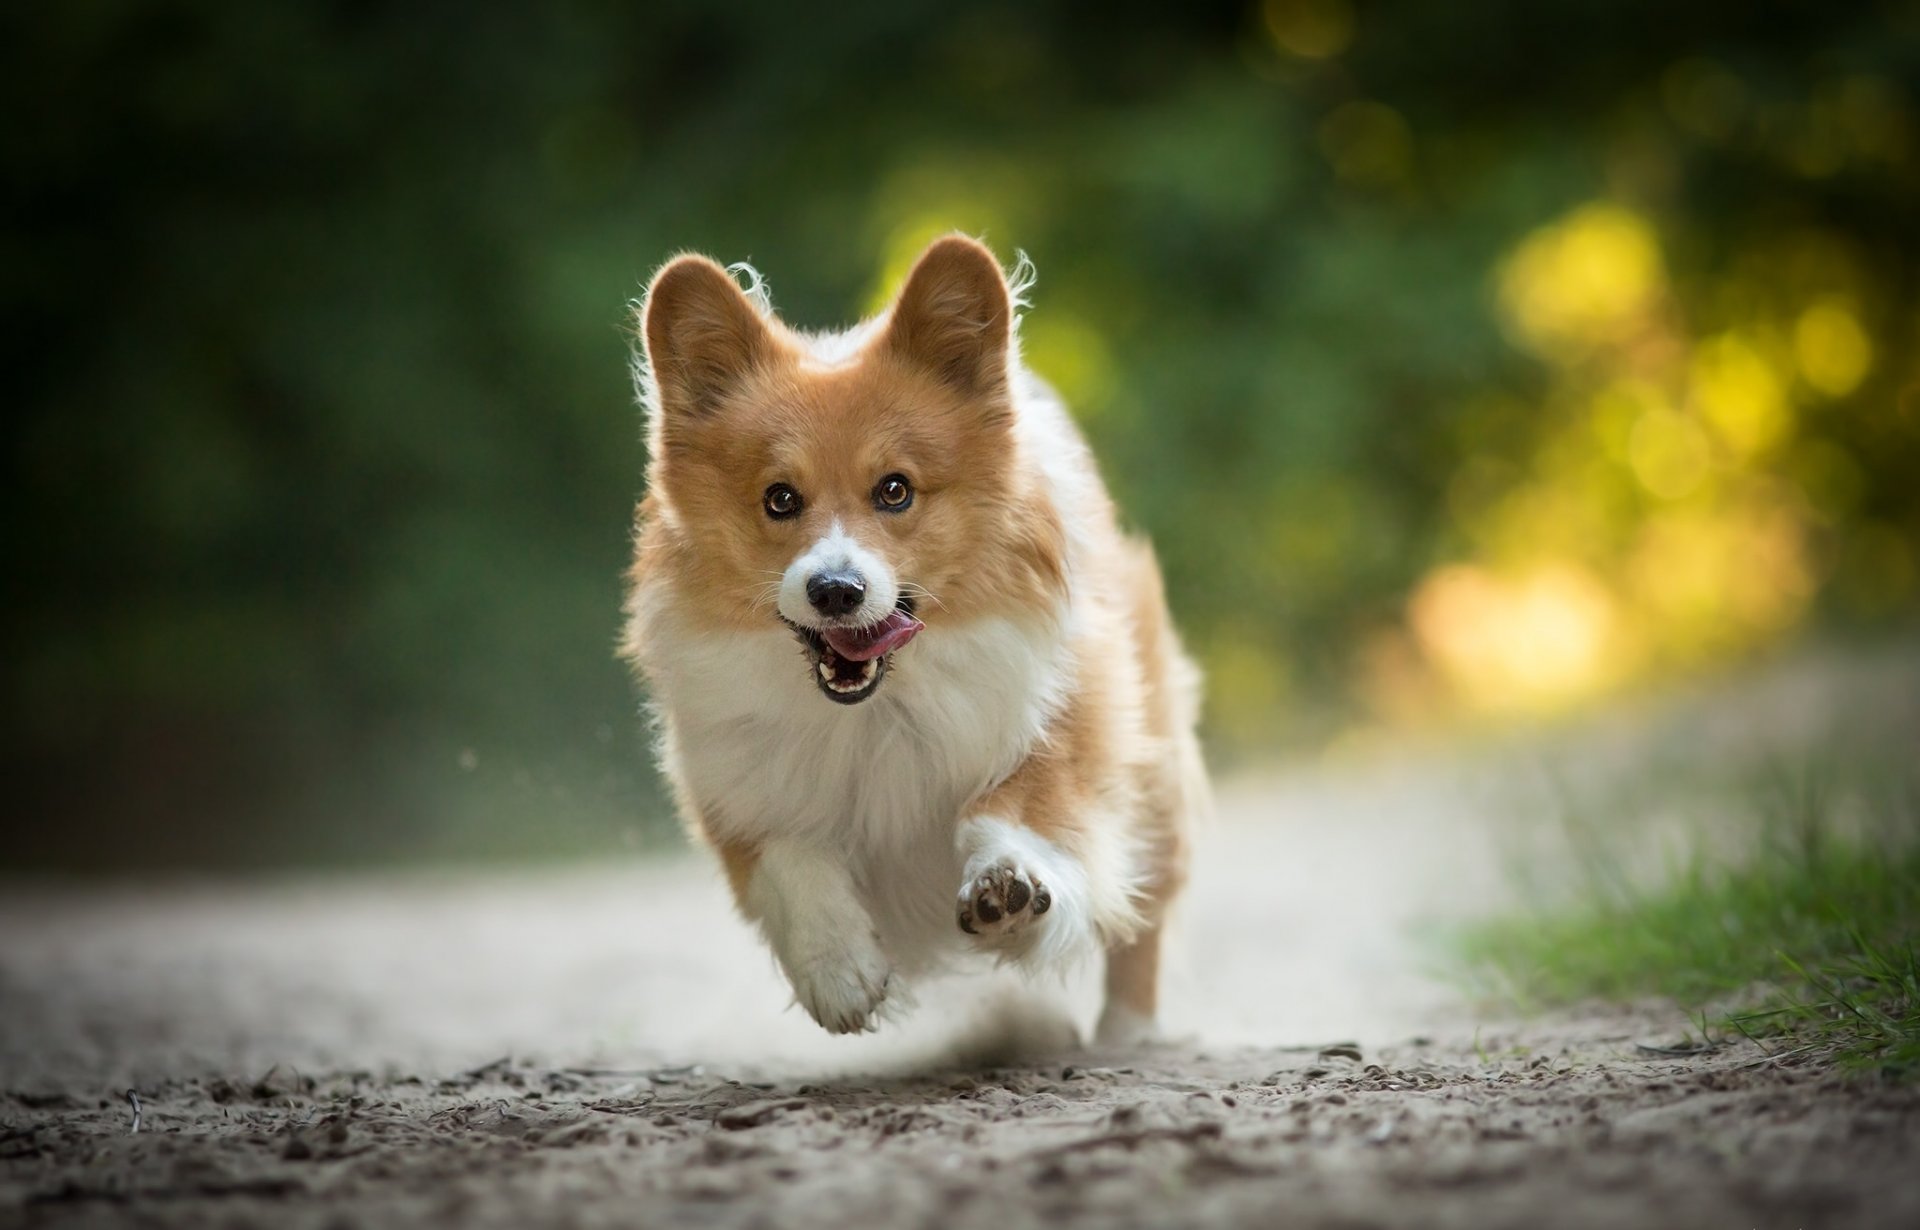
(319, 478)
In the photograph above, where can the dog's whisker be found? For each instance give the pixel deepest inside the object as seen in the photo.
(914, 590)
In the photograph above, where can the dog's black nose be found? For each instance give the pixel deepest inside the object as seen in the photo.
(836, 593)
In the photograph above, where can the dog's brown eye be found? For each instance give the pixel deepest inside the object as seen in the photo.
(781, 501)
(893, 493)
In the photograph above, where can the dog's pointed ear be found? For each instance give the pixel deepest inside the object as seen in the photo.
(954, 316)
(702, 336)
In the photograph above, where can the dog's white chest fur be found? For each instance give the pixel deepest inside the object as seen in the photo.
(878, 786)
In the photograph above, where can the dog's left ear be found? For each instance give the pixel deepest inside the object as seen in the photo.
(954, 316)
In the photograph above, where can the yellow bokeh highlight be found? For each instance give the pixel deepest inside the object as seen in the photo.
(1830, 348)
(1526, 642)
(924, 200)
(1565, 511)
(1310, 29)
(1071, 355)
(1673, 510)
(1718, 580)
(1582, 282)
(909, 237)
(1669, 454)
(1740, 393)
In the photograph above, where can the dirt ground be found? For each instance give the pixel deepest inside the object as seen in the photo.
(610, 1046)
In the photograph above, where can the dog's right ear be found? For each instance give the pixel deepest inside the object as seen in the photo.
(702, 336)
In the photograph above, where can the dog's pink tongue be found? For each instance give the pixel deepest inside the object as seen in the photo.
(861, 644)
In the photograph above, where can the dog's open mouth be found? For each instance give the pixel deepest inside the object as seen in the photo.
(849, 663)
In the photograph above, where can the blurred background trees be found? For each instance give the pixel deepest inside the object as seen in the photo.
(1467, 362)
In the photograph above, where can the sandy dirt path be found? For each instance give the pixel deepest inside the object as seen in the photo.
(612, 1047)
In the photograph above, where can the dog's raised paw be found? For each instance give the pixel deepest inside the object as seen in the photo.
(1001, 901)
(844, 992)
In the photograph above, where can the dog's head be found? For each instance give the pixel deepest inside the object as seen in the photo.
(861, 489)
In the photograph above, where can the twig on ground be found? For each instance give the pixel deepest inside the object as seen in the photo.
(133, 1099)
(1682, 1051)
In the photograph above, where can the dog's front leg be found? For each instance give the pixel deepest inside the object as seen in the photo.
(806, 904)
(1021, 895)
(1047, 870)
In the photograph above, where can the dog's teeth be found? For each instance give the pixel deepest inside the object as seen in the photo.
(832, 667)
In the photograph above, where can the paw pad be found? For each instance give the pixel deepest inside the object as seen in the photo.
(1001, 899)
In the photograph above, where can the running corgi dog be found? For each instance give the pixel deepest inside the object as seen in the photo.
(911, 681)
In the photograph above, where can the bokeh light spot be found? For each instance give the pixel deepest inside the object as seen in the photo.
(1668, 453)
(926, 199)
(1583, 281)
(1719, 580)
(1740, 393)
(1529, 642)
(1830, 348)
(911, 235)
(1311, 29)
(1072, 356)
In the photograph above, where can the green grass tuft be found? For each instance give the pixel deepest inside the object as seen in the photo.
(1813, 929)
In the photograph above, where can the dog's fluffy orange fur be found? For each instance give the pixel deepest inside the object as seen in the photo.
(1017, 773)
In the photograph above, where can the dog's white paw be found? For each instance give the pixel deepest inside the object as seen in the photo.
(825, 941)
(1122, 1027)
(1001, 902)
(843, 988)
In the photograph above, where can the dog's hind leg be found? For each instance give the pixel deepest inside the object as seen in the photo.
(1133, 961)
(1133, 982)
